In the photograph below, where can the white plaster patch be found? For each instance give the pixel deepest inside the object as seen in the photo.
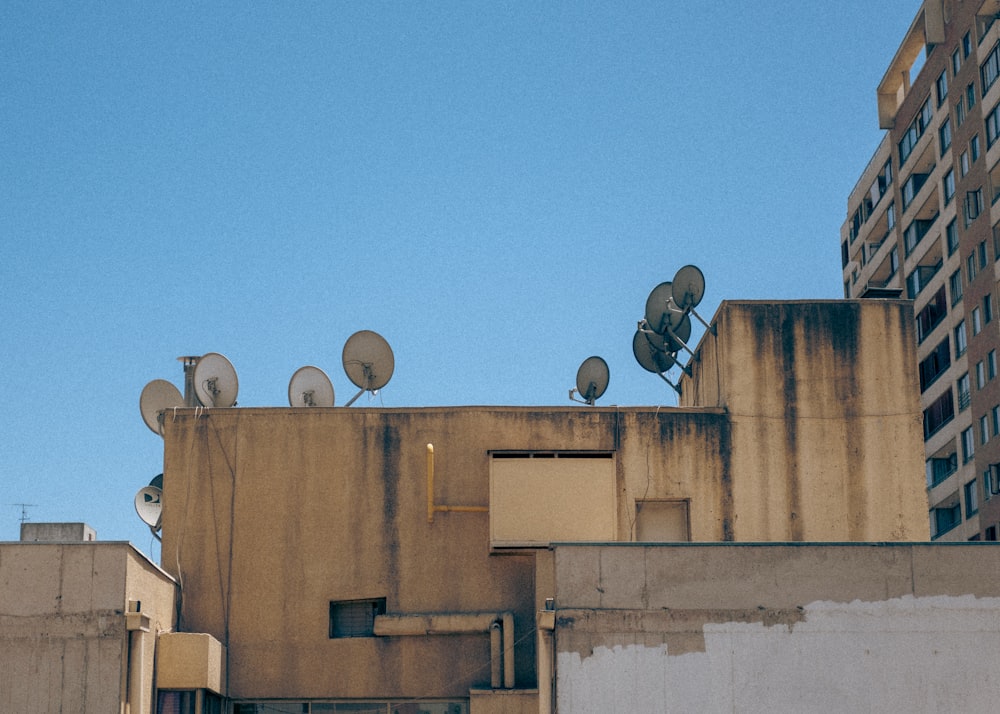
(902, 655)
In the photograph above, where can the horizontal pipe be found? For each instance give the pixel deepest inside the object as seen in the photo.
(463, 509)
(448, 624)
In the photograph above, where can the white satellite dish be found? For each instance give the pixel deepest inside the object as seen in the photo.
(368, 362)
(156, 397)
(592, 379)
(310, 387)
(215, 382)
(149, 506)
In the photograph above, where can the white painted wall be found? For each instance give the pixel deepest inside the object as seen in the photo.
(907, 654)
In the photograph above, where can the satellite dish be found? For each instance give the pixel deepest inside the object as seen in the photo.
(368, 361)
(215, 382)
(661, 310)
(156, 397)
(649, 357)
(592, 379)
(677, 341)
(310, 387)
(157, 481)
(149, 506)
(688, 287)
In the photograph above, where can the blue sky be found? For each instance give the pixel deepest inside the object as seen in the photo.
(495, 187)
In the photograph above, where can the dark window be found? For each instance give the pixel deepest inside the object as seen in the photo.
(932, 314)
(990, 69)
(934, 364)
(939, 413)
(946, 518)
(941, 468)
(355, 618)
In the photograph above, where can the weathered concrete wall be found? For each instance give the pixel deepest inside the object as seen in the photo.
(271, 514)
(777, 628)
(63, 638)
(820, 423)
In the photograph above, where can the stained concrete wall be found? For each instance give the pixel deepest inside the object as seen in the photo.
(63, 637)
(824, 415)
(777, 628)
(269, 515)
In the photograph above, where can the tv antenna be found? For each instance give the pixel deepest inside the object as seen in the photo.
(665, 328)
(24, 511)
(591, 380)
(368, 362)
(215, 381)
(310, 387)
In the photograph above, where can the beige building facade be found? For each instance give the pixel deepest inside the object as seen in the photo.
(923, 223)
(504, 560)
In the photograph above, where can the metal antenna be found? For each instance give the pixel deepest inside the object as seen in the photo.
(24, 510)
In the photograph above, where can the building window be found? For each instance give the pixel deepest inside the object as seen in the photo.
(988, 486)
(992, 127)
(968, 445)
(983, 257)
(963, 162)
(949, 187)
(944, 519)
(955, 285)
(940, 412)
(984, 429)
(970, 268)
(970, 96)
(911, 187)
(977, 321)
(355, 618)
(893, 261)
(952, 233)
(991, 365)
(920, 277)
(991, 533)
(944, 136)
(987, 309)
(971, 502)
(938, 469)
(974, 148)
(996, 420)
(964, 392)
(973, 205)
(960, 340)
(914, 131)
(890, 216)
(934, 365)
(960, 112)
(990, 69)
(942, 87)
(967, 44)
(932, 314)
(956, 62)
(980, 376)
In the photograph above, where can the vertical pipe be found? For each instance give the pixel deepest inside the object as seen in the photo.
(544, 671)
(430, 483)
(136, 690)
(508, 650)
(496, 650)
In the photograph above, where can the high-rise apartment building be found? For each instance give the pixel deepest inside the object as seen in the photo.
(923, 222)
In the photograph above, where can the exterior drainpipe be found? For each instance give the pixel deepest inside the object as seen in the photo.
(136, 698)
(546, 620)
(495, 650)
(508, 650)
